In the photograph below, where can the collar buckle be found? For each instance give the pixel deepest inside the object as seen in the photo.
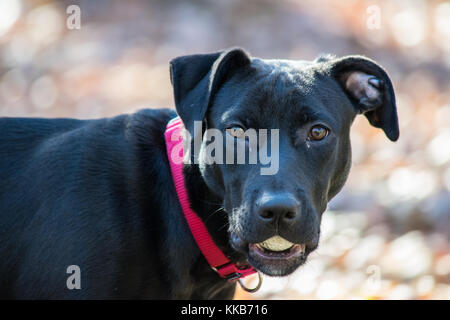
(231, 272)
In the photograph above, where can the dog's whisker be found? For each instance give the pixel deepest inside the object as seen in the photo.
(215, 211)
(225, 225)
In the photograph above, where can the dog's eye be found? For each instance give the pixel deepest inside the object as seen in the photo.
(318, 132)
(236, 131)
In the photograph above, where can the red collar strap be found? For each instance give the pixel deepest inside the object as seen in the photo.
(215, 257)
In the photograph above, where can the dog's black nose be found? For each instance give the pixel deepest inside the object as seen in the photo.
(277, 207)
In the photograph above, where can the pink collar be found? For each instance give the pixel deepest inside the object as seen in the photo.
(215, 257)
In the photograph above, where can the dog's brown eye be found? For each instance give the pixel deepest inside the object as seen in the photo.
(318, 132)
(236, 132)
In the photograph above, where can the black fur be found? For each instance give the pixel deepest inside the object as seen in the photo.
(99, 193)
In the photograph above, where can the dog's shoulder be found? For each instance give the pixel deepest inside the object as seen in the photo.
(146, 127)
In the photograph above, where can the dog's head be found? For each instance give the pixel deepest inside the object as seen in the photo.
(300, 113)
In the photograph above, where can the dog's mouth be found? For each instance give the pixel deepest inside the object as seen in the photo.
(276, 256)
(277, 248)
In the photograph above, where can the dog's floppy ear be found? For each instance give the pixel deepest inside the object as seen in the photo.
(196, 78)
(369, 88)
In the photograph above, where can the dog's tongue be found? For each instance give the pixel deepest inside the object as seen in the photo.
(276, 243)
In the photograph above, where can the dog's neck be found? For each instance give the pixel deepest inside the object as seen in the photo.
(203, 209)
(209, 207)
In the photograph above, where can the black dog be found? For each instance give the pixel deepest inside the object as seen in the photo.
(99, 194)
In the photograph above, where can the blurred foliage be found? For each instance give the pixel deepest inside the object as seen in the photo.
(386, 234)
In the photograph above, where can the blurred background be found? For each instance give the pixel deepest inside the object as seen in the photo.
(386, 235)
